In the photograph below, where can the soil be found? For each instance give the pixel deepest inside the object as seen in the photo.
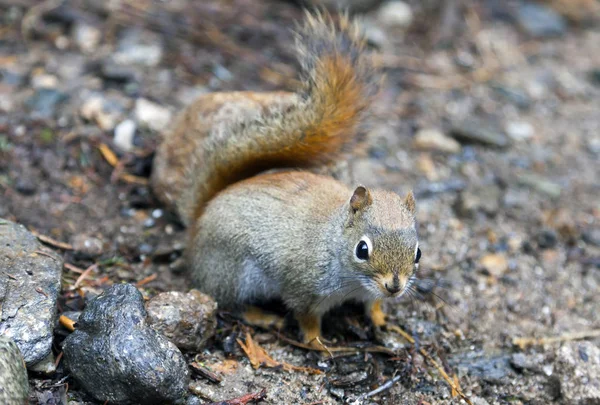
(509, 234)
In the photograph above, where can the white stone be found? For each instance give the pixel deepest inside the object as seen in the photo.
(44, 81)
(124, 133)
(395, 14)
(519, 130)
(87, 37)
(152, 115)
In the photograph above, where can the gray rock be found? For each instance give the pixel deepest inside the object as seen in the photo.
(592, 236)
(540, 184)
(516, 96)
(428, 189)
(484, 199)
(43, 102)
(491, 368)
(577, 367)
(14, 387)
(187, 320)
(479, 131)
(540, 21)
(117, 357)
(29, 286)
(139, 47)
(528, 362)
(86, 246)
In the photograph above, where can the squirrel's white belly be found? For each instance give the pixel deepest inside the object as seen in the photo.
(254, 285)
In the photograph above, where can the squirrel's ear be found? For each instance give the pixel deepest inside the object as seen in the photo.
(360, 199)
(409, 201)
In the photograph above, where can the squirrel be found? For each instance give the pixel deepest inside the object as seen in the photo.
(262, 225)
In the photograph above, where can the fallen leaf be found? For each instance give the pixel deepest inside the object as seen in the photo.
(260, 358)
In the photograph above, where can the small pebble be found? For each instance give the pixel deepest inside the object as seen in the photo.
(152, 115)
(519, 130)
(540, 21)
(432, 139)
(124, 133)
(395, 14)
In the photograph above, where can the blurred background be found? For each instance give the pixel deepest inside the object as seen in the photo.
(490, 112)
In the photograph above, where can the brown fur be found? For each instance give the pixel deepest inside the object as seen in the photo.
(290, 234)
(338, 85)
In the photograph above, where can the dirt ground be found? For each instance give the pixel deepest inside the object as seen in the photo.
(509, 228)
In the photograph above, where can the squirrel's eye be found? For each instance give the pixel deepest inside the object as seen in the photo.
(362, 251)
(418, 257)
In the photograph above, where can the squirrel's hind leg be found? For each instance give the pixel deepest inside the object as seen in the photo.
(263, 319)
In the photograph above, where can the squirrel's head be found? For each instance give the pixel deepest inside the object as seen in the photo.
(383, 248)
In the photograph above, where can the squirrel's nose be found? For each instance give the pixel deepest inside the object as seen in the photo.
(393, 289)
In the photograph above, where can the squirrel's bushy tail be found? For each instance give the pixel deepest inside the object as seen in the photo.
(338, 84)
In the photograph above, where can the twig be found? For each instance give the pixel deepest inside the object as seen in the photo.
(386, 386)
(50, 241)
(451, 383)
(73, 268)
(108, 154)
(58, 358)
(68, 323)
(41, 252)
(83, 276)
(243, 400)
(205, 373)
(113, 160)
(146, 280)
(524, 342)
(368, 349)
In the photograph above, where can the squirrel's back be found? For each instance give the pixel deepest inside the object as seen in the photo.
(313, 127)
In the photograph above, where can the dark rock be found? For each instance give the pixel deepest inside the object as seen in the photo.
(117, 357)
(579, 378)
(595, 76)
(43, 102)
(478, 131)
(540, 21)
(591, 236)
(29, 286)
(25, 185)
(187, 320)
(115, 73)
(547, 239)
(14, 387)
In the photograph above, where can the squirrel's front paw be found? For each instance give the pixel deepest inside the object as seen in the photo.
(377, 316)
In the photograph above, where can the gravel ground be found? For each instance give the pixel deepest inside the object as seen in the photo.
(509, 216)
